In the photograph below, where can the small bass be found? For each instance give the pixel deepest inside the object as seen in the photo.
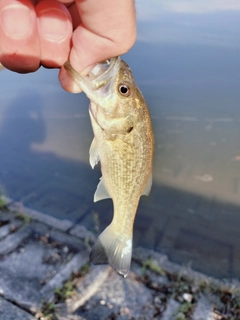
(124, 144)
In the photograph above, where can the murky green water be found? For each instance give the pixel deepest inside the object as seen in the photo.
(186, 62)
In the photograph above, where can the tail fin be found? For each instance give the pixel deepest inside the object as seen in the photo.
(113, 248)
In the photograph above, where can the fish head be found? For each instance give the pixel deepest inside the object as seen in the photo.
(111, 88)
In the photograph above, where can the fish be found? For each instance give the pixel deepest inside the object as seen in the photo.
(124, 144)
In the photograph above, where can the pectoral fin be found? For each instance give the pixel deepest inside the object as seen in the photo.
(148, 186)
(93, 154)
(101, 192)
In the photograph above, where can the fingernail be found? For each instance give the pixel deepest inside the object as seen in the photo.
(16, 21)
(54, 24)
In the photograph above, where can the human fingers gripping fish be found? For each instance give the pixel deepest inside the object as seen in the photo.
(124, 144)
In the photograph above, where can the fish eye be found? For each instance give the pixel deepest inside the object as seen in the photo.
(124, 89)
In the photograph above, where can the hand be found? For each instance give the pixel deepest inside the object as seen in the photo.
(49, 32)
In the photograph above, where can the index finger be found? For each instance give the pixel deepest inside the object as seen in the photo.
(19, 45)
(108, 29)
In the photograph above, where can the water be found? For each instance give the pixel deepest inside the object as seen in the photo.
(186, 62)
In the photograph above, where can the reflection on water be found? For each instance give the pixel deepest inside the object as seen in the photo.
(186, 62)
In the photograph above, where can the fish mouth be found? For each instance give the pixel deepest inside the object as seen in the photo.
(98, 77)
(102, 69)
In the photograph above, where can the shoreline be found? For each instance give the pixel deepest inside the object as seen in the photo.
(46, 275)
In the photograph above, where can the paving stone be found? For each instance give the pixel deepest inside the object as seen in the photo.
(81, 232)
(4, 231)
(62, 225)
(8, 311)
(161, 260)
(62, 237)
(12, 241)
(141, 254)
(67, 239)
(39, 257)
(9, 227)
(5, 216)
(118, 298)
(203, 310)
(40, 264)
(171, 310)
(63, 274)
(88, 286)
(22, 274)
(39, 228)
(69, 317)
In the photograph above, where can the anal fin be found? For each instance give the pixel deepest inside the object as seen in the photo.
(148, 186)
(101, 192)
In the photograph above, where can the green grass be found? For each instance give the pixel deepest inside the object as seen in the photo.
(152, 266)
(2, 203)
(68, 288)
(25, 218)
(48, 311)
(66, 291)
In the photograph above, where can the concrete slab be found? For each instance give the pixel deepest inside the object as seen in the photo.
(9, 311)
(13, 240)
(35, 260)
(203, 310)
(46, 257)
(64, 274)
(113, 295)
(62, 225)
(171, 310)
